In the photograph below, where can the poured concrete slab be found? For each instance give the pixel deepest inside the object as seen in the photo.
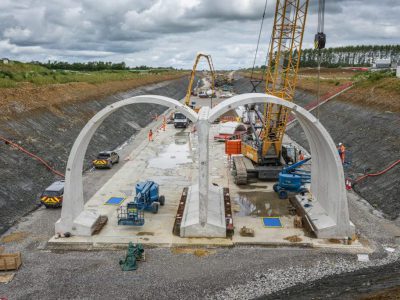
(157, 230)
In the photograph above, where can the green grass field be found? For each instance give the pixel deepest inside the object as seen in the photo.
(16, 73)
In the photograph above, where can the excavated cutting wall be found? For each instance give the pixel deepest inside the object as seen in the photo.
(372, 141)
(50, 133)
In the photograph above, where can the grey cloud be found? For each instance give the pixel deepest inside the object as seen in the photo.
(171, 32)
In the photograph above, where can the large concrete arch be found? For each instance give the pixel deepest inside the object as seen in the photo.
(328, 213)
(72, 213)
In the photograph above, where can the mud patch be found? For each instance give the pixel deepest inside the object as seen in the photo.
(6, 278)
(141, 233)
(14, 237)
(293, 239)
(196, 252)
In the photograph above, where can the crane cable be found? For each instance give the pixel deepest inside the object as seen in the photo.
(320, 29)
(258, 44)
(41, 160)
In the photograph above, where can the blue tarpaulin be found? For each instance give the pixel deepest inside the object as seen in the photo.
(115, 201)
(272, 222)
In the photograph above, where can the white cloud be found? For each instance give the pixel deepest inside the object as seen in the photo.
(171, 32)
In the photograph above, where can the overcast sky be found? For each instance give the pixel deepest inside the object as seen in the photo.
(172, 32)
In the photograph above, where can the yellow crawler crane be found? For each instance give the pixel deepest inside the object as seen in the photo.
(265, 150)
(192, 75)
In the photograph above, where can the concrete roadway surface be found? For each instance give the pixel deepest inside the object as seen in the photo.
(215, 273)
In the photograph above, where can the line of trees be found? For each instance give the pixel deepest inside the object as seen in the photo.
(88, 66)
(350, 56)
(95, 66)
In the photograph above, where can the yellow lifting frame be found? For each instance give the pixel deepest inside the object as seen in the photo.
(192, 75)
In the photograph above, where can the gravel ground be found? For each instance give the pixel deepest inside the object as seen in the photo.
(352, 285)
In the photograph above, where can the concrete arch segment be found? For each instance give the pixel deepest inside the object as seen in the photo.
(74, 218)
(328, 215)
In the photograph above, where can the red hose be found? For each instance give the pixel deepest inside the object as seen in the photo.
(377, 174)
(32, 155)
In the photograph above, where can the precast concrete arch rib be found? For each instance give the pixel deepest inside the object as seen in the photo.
(73, 217)
(328, 212)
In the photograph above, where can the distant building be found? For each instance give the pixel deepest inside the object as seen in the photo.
(382, 63)
(5, 60)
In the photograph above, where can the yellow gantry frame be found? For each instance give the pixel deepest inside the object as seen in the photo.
(192, 75)
(282, 69)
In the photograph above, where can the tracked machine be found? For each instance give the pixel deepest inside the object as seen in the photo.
(262, 149)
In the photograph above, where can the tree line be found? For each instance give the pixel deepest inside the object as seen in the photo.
(83, 66)
(350, 56)
(94, 66)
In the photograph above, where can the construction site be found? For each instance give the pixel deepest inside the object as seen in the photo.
(273, 182)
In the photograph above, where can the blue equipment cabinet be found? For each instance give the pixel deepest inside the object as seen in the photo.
(292, 179)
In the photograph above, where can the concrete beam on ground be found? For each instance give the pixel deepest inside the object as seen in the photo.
(204, 214)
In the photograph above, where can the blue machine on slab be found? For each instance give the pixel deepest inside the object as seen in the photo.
(131, 215)
(147, 199)
(292, 179)
(147, 196)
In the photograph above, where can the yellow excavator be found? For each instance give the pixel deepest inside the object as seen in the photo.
(262, 146)
(193, 74)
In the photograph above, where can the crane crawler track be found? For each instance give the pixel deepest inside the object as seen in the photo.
(240, 170)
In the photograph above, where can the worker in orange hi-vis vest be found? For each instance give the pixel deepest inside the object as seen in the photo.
(301, 156)
(150, 135)
(164, 124)
(342, 152)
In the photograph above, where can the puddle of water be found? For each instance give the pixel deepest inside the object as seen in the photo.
(181, 138)
(261, 204)
(171, 157)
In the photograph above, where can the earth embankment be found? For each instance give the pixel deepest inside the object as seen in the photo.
(49, 132)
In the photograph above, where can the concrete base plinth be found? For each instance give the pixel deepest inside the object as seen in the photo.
(322, 224)
(84, 224)
(215, 225)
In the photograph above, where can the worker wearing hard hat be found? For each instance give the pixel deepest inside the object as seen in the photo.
(342, 152)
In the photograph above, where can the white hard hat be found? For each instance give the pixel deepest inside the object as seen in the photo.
(340, 144)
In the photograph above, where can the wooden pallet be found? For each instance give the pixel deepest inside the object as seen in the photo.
(10, 261)
(228, 213)
(98, 226)
(176, 230)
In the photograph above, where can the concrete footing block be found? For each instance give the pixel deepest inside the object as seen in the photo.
(85, 223)
(323, 225)
(215, 225)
